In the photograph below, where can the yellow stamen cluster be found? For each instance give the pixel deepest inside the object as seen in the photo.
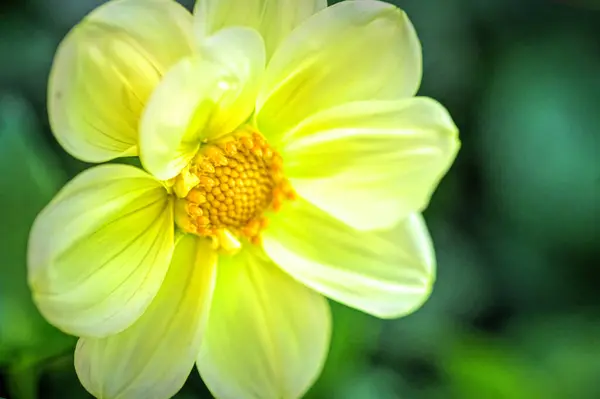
(229, 185)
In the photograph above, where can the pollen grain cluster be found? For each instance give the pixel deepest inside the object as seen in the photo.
(229, 185)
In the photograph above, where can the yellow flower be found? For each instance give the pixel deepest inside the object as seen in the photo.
(285, 159)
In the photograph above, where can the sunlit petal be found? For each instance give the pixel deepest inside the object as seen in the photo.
(274, 19)
(385, 273)
(99, 251)
(267, 335)
(351, 51)
(153, 358)
(372, 163)
(105, 70)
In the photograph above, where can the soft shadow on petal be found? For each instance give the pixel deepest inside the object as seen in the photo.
(274, 19)
(385, 273)
(105, 70)
(153, 358)
(267, 335)
(99, 251)
(202, 97)
(372, 163)
(351, 51)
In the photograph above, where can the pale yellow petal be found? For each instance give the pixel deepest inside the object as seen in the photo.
(99, 251)
(153, 358)
(202, 97)
(385, 273)
(351, 51)
(372, 163)
(105, 70)
(274, 19)
(267, 335)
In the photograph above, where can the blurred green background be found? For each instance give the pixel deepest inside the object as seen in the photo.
(515, 312)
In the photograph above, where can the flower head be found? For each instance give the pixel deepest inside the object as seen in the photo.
(284, 158)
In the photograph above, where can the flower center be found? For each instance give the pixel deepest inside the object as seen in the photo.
(227, 187)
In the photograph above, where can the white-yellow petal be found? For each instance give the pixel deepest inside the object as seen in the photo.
(385, 273)
(351, 51)
(202, 97)
(274, 19)
(267, 336)
(153, 358)
(372, 163)
(105, 70)
(99, 251)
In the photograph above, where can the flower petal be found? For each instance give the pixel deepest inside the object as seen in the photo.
(385, 273)
(153, 357)
(202, 97)
(99, 251)
(351, 51)
(274, 19)
(105, 70)
(372, 163)
(267, 335)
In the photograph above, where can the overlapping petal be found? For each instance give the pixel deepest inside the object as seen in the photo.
(105, 70)
(385, 273)
(372, 163)
(274, 19)
(99, 251)
(267, 335)
(153, 358)
(202, 97)
(351, 51)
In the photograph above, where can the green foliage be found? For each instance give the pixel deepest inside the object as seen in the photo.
(480, 368)
(30, 178)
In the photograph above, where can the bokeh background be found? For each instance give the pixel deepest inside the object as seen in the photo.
(515, 312)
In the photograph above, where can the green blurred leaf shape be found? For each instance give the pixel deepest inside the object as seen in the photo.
(29, 177)
(483, 368)
(548, 357)
(568, 347)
